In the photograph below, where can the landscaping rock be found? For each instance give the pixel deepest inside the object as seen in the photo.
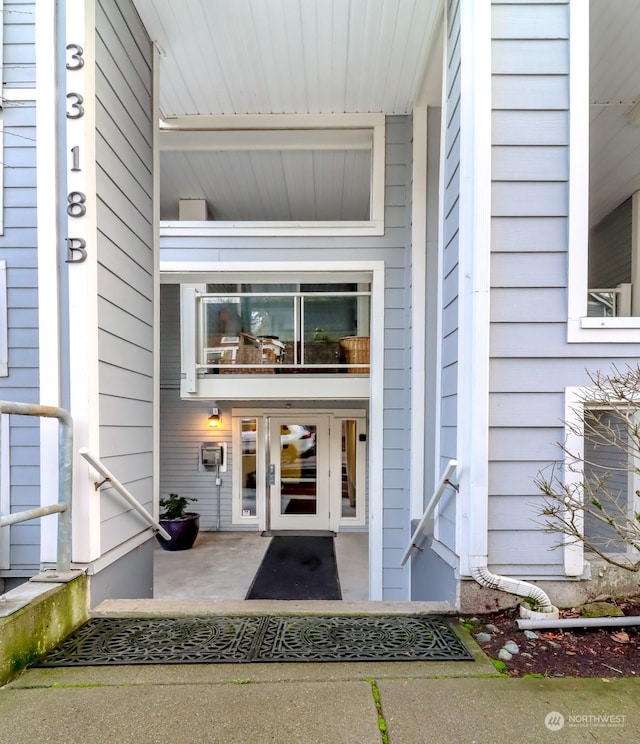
(511, 647)
(491, 628)
(483, 638)
(504, 655)
(600, 609)
(530, 634)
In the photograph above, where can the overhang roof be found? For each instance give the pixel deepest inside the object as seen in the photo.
(228, 57)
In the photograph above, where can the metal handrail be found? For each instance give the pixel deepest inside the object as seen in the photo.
(437, 494)
(126, 495)
(65, 477)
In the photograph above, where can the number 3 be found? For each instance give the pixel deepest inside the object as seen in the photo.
(77, 59)
(76, 105)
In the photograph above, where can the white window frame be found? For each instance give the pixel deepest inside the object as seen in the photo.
(580, 328)
(194, 276)
(2, 156)
(5, 490)
(4, 321)
(266, 132)
(336, 418)
(576, 399)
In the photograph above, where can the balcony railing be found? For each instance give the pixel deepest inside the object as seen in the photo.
(611, 302)
(284, 332)
(245, 354)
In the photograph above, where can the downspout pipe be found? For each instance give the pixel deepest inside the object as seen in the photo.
(542, 603)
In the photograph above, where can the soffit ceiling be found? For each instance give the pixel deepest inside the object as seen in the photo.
(614, 88)
(290, 56)
(227, 57)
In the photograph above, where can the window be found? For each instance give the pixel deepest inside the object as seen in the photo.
(611, 475)
(604, 227)
(284, 329)
(273, 175)
(602, 467)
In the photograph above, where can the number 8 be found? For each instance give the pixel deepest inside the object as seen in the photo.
(76, 207)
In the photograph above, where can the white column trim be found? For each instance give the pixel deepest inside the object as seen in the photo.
(376, 437)
(578, 228)
(474, 284)
(573, 551)
(47, 225)
(635, 254)
(156, 281)
(4, 322)
(5, 490)
(83, 285)
(418, 311)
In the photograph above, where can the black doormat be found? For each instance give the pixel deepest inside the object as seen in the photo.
(207, 640)
(301, 506)
(297, 567)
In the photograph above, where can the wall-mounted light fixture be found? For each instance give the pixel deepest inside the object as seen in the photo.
(214, 419)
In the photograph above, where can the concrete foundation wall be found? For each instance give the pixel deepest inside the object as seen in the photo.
(44, 615)
(606, 582)
(131, 577)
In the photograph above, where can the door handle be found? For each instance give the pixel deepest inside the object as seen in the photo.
(272, 474)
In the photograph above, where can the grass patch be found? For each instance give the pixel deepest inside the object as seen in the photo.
(382, 724)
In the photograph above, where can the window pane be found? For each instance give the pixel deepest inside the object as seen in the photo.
(298, 469)
(606, 478)
(270, 316)
(249, 467)
(349, 469)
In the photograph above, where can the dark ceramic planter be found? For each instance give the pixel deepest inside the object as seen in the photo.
(183, 532)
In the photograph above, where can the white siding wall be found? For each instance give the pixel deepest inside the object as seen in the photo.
(531, 361)
(18, 248)
(125, 257)
(181, 422)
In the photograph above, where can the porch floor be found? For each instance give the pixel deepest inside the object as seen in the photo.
(221, 565)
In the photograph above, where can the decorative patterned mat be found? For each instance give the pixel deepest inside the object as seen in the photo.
(206, 640)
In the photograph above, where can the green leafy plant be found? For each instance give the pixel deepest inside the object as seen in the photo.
(174, 506)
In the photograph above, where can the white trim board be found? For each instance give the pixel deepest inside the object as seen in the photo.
(48, 229)
(580, 328)
(5, 490)
(278, 132)
(474, 286)
(4, 324)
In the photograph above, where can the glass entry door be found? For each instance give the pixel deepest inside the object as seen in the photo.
(298, 472)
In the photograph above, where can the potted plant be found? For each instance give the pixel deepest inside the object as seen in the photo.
(182, 525)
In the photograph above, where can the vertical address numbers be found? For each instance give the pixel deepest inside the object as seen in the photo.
(76, 200)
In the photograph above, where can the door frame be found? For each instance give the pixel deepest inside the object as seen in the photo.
(321, 519)
(335, 416)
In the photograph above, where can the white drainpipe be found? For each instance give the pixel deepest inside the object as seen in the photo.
(474, 317)
(543, 604)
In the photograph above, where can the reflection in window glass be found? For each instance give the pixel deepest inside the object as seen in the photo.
(349, 480)
(249, 467)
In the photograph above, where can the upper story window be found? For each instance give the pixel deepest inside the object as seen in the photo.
(272, 175)
(604, 224)
(284, 328)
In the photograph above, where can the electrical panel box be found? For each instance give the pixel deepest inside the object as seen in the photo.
(213, 456)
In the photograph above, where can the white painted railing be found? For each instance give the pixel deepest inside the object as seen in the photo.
(433, 501)
(126, 495)
(65, 472)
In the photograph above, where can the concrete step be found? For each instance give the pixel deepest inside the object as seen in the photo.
(203, 607)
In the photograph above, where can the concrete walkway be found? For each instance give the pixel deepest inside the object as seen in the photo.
(418, 702)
